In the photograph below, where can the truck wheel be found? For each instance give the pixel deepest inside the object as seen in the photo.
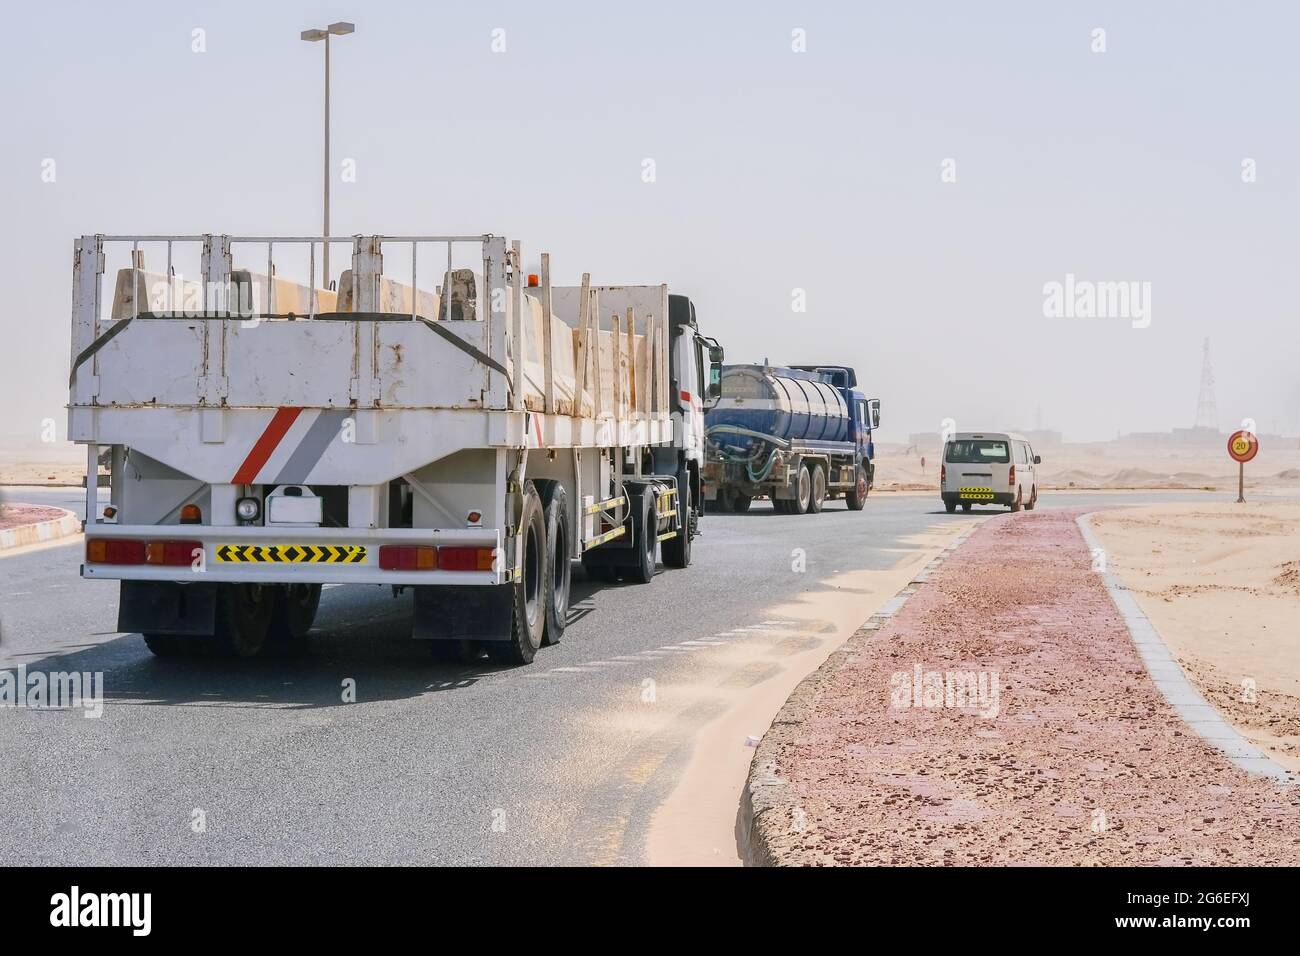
(645, 541)
(243, 619)
(527, 594)
(1033, 498)
(559, 569)
(818, 489)
(720, 504)
(856, 499)
(949, 505)
(740, 503)
(1015, 505)
(295, 607)
(803, 493)
(168, 645)
(677, 551)
(965, 506)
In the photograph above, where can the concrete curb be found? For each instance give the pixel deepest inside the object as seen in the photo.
(765, 803)
(1168, 676)
(25, 534)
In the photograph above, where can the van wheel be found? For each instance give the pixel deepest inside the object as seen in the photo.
(803, 493)
(527, 594)
(818, 489)
(295, 610)
(1015, 505)
(1033, 498)
(951, 506)
(856, 499)
(559, 569)
(965, 506)
(740, 503)
(646, 541)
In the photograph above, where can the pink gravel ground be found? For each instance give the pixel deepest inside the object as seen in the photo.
(1083, 764)
(16, 515)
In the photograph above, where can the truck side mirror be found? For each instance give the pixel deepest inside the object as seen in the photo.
(1038, 459)
(715, 371)
(875, 413)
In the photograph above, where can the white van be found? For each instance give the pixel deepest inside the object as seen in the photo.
(989, 468)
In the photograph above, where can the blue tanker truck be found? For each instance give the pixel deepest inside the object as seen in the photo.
(798, 434)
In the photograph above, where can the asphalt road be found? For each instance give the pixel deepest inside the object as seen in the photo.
(562, 761)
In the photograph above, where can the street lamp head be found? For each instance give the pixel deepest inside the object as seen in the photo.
(313, 34)
(342, 28)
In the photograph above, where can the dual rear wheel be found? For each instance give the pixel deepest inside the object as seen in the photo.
(249, 620)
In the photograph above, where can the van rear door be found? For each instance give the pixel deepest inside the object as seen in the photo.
(977, 467)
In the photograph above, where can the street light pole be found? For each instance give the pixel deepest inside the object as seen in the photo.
(342, 28)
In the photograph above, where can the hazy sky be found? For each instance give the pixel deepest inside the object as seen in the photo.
(775, 170)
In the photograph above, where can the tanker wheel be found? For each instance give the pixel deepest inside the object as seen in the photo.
(818, 489)
(856, 499)
(803, 493)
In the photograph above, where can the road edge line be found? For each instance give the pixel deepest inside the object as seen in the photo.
(765, 792)
(1179, 692)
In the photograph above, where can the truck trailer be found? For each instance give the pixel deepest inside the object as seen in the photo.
(468, 440)
(798, 435)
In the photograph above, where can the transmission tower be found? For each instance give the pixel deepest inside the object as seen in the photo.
(1207, 409)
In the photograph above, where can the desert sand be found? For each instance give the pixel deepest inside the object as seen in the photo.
(1221, 584)
(1115, 465)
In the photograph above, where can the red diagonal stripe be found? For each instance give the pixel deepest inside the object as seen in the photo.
(275, 431)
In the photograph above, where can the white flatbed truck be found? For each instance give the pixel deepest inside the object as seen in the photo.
(469, 441)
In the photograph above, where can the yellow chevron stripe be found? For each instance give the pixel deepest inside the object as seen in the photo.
(291, 553)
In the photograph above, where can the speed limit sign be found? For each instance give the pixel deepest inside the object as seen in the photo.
(1242, 447)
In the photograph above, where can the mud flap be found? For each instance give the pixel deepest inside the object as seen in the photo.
(166, 607)
(454, 613)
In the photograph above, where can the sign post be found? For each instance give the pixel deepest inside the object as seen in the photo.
(1242, 447)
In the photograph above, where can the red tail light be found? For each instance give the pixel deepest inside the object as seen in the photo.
(403, 557)
(172, 553)
(1011, 477)
(465, 559)
(943, 473)
(114, 551)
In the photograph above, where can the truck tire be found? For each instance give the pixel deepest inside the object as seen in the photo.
(243, 619)
(168, 645)
(559, 569)
(818, 489)
(1033, 498)
(677, 551)
(949, 505)
(856, 498)
(294, 610)
(527, 594)
(802, 492)
(740, 503)
(1015, 505)
(645, 540)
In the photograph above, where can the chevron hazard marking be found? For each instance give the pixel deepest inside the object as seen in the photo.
(291, 553)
